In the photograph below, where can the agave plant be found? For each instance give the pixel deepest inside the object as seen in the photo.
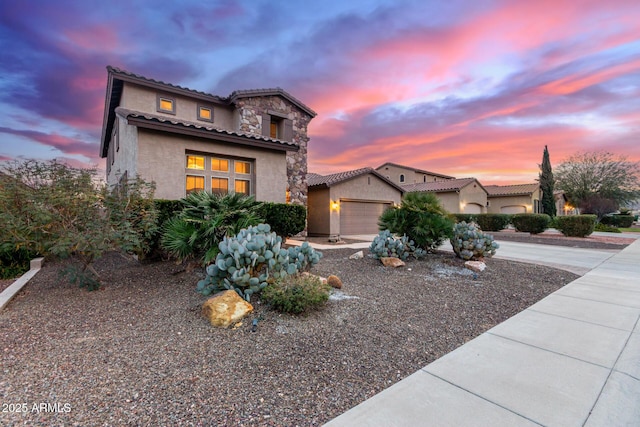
(204, 221)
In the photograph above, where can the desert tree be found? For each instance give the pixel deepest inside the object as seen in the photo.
(547, 184)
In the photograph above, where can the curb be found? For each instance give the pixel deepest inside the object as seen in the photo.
(11, 291)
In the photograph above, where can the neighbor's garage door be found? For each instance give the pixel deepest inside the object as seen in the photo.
(513, 209)
(472, 208)
(358, 217)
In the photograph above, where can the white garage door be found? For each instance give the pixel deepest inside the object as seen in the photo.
(472, 208)
(360, 217)
(513, 209)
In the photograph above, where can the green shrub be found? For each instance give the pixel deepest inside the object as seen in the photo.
(576, 225)
(285, 220)
(253, 258)
(385, 245)
(469, 242)
(460, 217)
(420, 217)
(621, 221)
(492, 221)
(14, 262)
(531, 223)
(606, 228)
(296, 294)
(204, 221)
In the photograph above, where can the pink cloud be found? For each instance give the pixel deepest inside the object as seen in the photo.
(62, 143)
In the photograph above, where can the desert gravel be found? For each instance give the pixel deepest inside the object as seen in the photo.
(138, 351)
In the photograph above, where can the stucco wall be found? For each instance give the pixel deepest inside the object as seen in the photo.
(164, 163)
(496, 203)
(366, 187)
(410, 175)
(318, 215)
(144, 99)
(450, 200)
(473, 194)
(125, 158)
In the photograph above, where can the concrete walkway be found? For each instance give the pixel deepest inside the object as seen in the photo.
(572, 359)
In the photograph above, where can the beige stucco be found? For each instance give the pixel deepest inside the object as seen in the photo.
(473, 194)
(411, 176)
(318, 212)
(498, 203)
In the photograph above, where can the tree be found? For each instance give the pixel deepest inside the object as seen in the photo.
(547, 184)
(599, 174)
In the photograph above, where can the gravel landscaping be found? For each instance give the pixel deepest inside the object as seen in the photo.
(138, 351)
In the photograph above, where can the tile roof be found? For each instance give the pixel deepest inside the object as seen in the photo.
(125, 113)
(315, 180)
(441, 186)
(512, 190)
(415, 170)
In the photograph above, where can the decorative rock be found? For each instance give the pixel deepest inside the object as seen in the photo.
(392, 262)
(477, 266)
(334, 282)
(225, 308)
(357, 255)
(323, 280)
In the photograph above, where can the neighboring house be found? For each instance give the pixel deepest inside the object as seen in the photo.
(464, 195)
(562, 204)
(407, 175)
(349, 202)
(513, 199)
(252, 142)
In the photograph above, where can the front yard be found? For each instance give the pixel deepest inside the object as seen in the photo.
(138, 352)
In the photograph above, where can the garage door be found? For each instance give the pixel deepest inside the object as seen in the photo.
(472, 208)
(360, 217)
(513, 209)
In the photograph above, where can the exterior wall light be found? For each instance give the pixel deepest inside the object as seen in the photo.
(335, 205)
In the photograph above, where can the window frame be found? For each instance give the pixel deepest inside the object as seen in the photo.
(159, 108)
(230, 175)
(204, 162)
(204, 182)
(201, 107)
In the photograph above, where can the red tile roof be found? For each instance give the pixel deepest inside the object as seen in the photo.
(441, 186)
(512, 190)
(315, 180)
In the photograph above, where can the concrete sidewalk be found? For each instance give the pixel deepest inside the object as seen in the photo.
(572, 359)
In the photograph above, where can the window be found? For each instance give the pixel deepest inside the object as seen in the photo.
(273, 129)
(242, 186)
(243, 167)
(221, 165)
(194, 183)
(166, 105)
(219, 185)
(424, 178)
(401, 177)
(195, 162)
(205, 113)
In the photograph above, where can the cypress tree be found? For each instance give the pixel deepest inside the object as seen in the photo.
(546, 185)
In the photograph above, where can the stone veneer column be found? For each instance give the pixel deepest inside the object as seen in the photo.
(250, 117)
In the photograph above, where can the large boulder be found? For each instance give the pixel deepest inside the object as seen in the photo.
(392, 262)
(226, 308)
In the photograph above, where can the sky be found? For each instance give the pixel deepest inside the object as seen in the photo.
(462, 88)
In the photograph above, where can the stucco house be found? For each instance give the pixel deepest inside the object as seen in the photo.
(252, 141)
(350, 202)
(402, 175)
(462, 195)
(513, 199)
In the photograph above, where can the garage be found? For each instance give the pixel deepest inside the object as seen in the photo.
(472, 208)
(513, 209)
(360, 217)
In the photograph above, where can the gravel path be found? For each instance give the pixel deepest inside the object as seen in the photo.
(139, 353)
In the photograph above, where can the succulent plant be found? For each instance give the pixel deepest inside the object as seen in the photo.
(469, 242)
(386, 245)
(252, 259)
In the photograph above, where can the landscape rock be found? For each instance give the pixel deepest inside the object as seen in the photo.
(334, 282)
(226, 308)
(392, 262)
(477, 266)
(323, 280)
(357, 255)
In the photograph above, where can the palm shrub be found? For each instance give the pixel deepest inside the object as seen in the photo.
(421, 218)
(205, 219)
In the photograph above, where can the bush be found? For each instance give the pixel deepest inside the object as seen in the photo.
(531, 223)
(621, 221)
(385, 245)
(493, 221)
(576, 225)
(420, 217)
(469, 242)
(252, 259)
(296, 294)
(285, 220)
(204, 221)
(606, 228)
(460, 217)
(14, 263)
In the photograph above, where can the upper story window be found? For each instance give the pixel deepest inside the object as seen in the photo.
(277, 125)
(243, 167)
(273, 128)
(205, 113)
(401, 177)
(220, 165)
(166, 104)
(195, 162)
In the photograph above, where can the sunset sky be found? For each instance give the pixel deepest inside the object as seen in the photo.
(463, 88)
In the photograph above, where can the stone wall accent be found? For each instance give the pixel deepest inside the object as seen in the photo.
(250, 114)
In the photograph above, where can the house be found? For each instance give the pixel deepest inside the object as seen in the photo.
(462, 195)
(407, 175)
(350, 202)
(252, 142)
(562, 204)
(512, 199)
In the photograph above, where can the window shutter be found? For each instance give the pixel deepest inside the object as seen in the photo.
(287, 132)
(266, 125)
